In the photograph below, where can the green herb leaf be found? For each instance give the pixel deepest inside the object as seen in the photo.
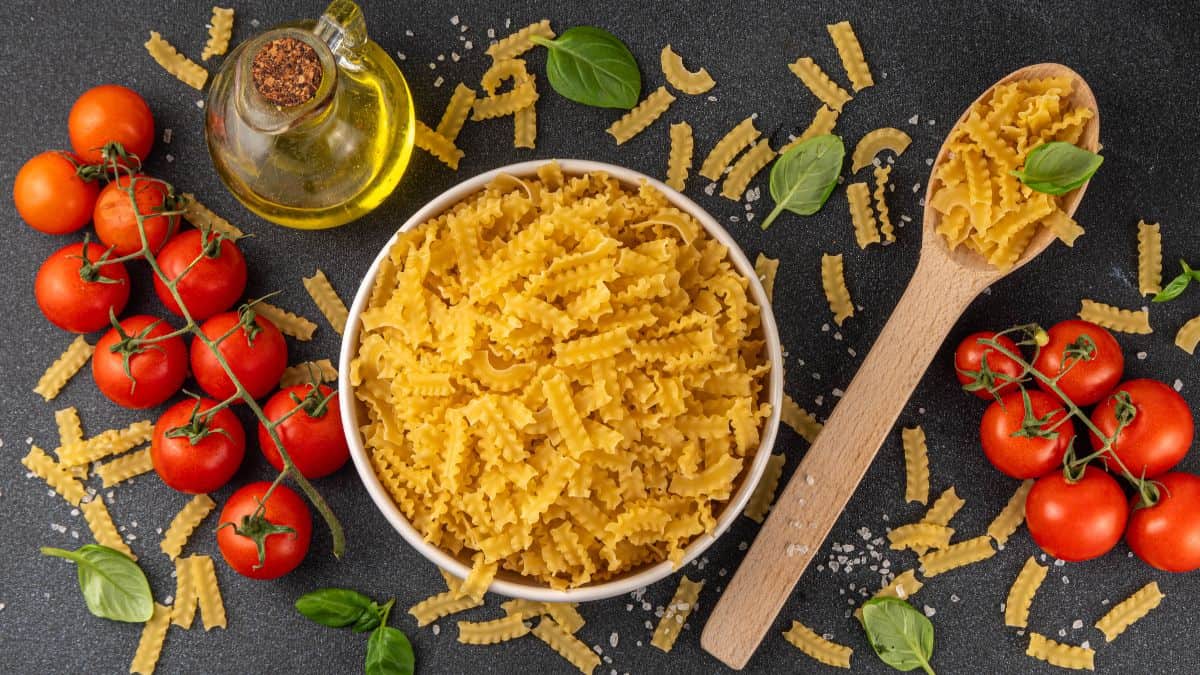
(368, 620)
(899, 634)
(113, 585)
(1056, 168)
(337, 607)
(591, 66)
(389, 653)
(1178, 285)
(804, 177)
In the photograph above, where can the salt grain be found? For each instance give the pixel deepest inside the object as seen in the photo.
(712, 99)
(929, 611)
(913, 120)
(167, 134)
(438, 82)
(1077, 624)
(454, 20)
(1178, 385)
(436, 629)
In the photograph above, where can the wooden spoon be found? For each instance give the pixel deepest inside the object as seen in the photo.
(944, 283)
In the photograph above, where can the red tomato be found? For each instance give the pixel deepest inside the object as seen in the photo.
(197, 455)
(1088, 379)
(213, 285)
(1076, 521)
(1167, 535)
(969, 358)
(158, 369)
(258, 357)
(51, 196)
(107, 113)
(1159, 435)
(283, 550)
(312, 435)
(116, 224)
(78, 297)
(1018, 456)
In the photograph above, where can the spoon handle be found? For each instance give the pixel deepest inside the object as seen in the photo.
(831, 470)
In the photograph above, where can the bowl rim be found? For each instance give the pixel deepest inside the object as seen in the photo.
(642, 576)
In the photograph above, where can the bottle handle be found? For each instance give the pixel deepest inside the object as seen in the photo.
(344, 29)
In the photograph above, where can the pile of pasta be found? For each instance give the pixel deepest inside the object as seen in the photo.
(982, 205)
(563, 377)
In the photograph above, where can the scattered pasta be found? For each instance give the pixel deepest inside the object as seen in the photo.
(321, 370)
(1058, 654)
(875, 142)
(327, 300)
(518, 43)
(436, 144)
(101, 524)
(957, 555)
(903, 586)
(822, 123)
(1063, 226)
(833, 280)
(925, 535)
(866, 231)
(1020, 595)
(806, 640)
(150, 644)
(1011, 516)
(125, 467)
(183, 612)
(676, 613)
(64, 368)
(799, 419)
(764, 493)
(106, 444)
(1115, 318)
(746, 168)
(885, 221)
(177, 65)
(56, 476)
(1129, 611)
(184, 523)
(679, 162)
(643, 115)
(680, 77)
(567, 645)
(851, 54)
(564, 614)
(734, 141)
(916, 465)
(70, 432)
(941, 512)
(442, 604)
(208, 592)
(492, 632)
(766, 268)
(288, 323)
(525, 127)
(1189, 335)
(1149, 258)
(523, 94)
(220, 30)
(819, 83)
(203, 218)
(456, 112)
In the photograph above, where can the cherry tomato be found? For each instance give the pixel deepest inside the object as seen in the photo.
(78, 297)
(193, 454)
(213, 285)
(157, 369)
(969, 358)
(51, 197)
(116, 224)
(1076, 521)
(1167, 535)
(107, 113)
(1159, 435)
(258, 357)
(1092, 373)
(1019, 456)
(312, 435)
(283, 550)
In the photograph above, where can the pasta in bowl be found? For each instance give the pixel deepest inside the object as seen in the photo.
(561, 381)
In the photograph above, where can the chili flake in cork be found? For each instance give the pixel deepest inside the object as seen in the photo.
(286, 71)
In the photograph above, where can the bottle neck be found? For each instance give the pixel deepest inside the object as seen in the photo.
(270, 118)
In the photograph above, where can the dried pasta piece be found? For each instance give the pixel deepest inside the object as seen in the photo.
(177, 65)
(766, 268)
(478, 580)
(1129, 611)
(676, 613)
(60, 479)
(101, 524)
(150, 644)
(183, 612)
(1020, 595)
(680, 77)
(455, 115)
(902, 586)
(806, 640)
(302, 373)
(70, 432)
(288, 323)
(822, 123)
(564, 614)
(764, 493)
(1063, 226)
(920, 534)
(184, 523)
(957, 555)
(220, 30)
(1189, 335)
(819, 83)
(208, 592)
(833, 280)
(643, 115)
(525, 127)
(327, 300)
(851, 53)
(64, 368)
(1061, 655)
(518, 43)
(523, 95)
(1149, 258)
(799, 419)
(746, 168)
(941, 512)
(492, 632)
(734, 141)
(436, 144)
(567, 645)
(916, 465)
(203, 218)
(442, 604)
(875, 142)
(106, 444)
(679, 162)
(885, 222)
(866, 232)
(125, 467)
(1115, 318)
(1011, 516)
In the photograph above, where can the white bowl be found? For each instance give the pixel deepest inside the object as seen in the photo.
(514, 585)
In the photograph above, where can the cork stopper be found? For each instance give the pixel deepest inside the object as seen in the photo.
(286, 72)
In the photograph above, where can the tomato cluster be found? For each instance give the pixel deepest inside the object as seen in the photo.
(142, 361)
(1138, 430)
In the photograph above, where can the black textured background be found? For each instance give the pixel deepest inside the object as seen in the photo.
(929, 59)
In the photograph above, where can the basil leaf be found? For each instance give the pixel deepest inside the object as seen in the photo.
(374, 616)
(591, 66)
(804, 177)
(113, 585)
(389, 653)
(1174, 289)
(899, 634)
(336, 607)
(1057, 168)
(1194, 274)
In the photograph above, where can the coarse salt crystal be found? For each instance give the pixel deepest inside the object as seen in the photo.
(438, 82)
(929, 611)
(491, 32)
(1087, 644)
(408, 33)
(454, 20)
(1077, 624)
(914, 119)
(1062, 632)
(436, 629)
(454, 57)
(468, 45)
(167, 134)
(712, 98)
(1178, 385)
